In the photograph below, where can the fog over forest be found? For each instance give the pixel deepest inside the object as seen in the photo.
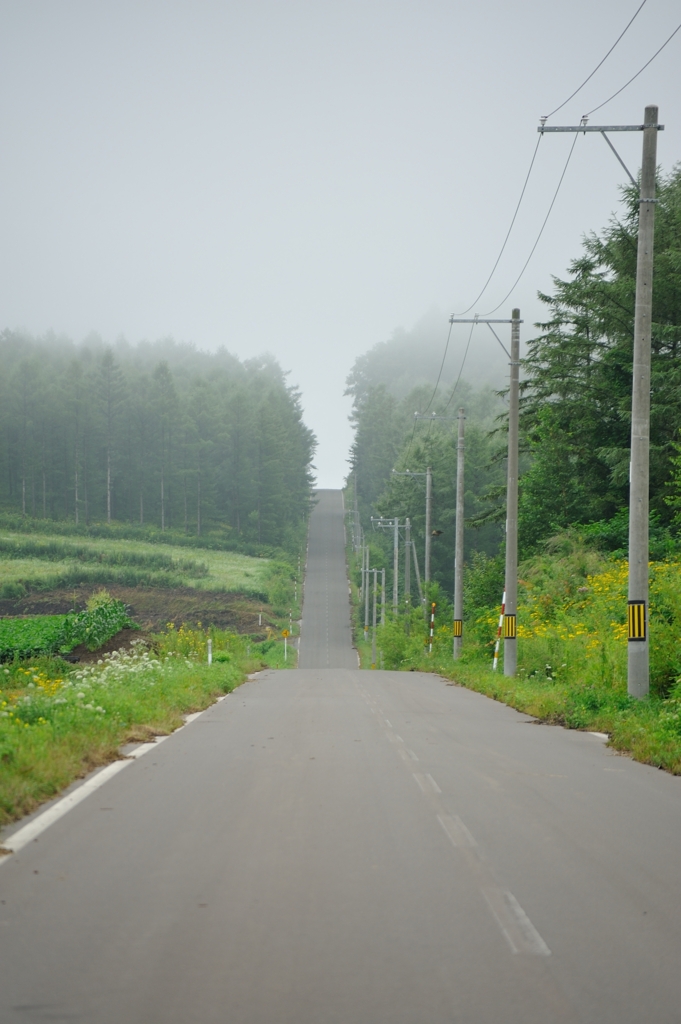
(157, 434)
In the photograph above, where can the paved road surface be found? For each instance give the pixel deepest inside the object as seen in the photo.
(326, 639)
(328, 846)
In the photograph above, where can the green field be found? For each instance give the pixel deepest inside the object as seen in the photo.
(45, 562)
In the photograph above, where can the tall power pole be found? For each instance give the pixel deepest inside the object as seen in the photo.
(458, 553)
(638, 678)
(510, 615)
(366, 595)
(429, 505)
(407, 569)
(396, 564)
(511, 578)
(373, 640)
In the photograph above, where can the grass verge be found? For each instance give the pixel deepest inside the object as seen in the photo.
(59, 722)
(572, 650)
(648, 730)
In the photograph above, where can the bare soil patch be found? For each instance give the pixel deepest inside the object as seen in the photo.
(153, 608)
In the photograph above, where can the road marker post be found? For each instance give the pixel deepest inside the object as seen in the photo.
(499, 628)
(432, 627)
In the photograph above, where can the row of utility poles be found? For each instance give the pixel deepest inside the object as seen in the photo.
(638, 603)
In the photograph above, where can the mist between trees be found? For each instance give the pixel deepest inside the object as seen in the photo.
(575, 416)
(157, 435)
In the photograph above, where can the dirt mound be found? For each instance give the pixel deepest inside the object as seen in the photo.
(123, 641)
(153, 608)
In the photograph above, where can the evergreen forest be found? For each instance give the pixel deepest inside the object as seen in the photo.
(575, 413)
(158, 435)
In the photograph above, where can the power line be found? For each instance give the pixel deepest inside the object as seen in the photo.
(541, 232)
(411, 439)
(508, 233)
(463, 363)
(636, 75)
(442, 364)
(600, 64)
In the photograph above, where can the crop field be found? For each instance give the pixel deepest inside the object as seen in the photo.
(43, 562)
(32, 635)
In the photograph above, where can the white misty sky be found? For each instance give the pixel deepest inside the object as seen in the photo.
(303, 178)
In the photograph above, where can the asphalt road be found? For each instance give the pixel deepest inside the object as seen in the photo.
(326, 639)
(329, 846)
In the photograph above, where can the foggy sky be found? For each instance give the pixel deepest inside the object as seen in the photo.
(304, 177)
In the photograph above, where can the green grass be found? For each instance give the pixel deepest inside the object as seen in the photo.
(58, 722)
(572, 651)
(35, 635)
(44, 563)
(51, 634)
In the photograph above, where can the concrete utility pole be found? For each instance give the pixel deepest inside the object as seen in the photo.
(407, 569)
(422, 600)
(429, 505)
(510, 631)
(511, 587)
(382, 523)
(458, 556)
(373, 640)
(396, 566)
(366, 596)
(638, 678)
(429, 487)
(383, 597)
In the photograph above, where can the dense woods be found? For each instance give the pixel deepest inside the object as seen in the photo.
(388, 437)
(156, 434)
(575, 411)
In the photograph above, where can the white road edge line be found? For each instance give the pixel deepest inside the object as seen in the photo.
(34, 828)
(600, 735)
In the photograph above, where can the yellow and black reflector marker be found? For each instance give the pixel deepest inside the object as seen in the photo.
(636, 620)
(509, 627)
(458, 627)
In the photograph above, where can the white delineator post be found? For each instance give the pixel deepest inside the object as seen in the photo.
(511, 582)
(209, 648)
(458, 555)
(638, 675)
(495, 660)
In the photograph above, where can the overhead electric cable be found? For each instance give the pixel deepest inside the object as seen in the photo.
(463, 363)
(657, 52)
(411, 439)
(600, 64)
(508, 233)
(541, 231)
(442, 364)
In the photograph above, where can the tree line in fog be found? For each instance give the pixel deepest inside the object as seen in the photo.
(158, 434)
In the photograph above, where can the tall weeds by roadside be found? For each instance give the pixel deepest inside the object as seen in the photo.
(572, 646)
